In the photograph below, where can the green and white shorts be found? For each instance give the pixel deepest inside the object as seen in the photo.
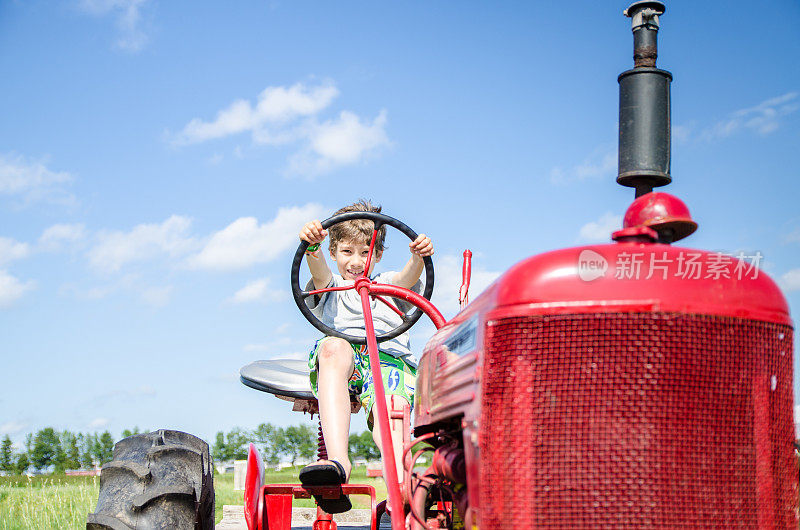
(399, 377)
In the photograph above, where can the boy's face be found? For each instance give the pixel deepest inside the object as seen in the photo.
(351, 257)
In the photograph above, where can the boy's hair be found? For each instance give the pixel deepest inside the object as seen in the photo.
(357, 229)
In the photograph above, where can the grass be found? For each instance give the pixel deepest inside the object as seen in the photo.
(57, 501)
(46, 502)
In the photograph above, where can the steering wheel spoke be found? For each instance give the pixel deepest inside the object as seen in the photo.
(306, 294)
(391, 306)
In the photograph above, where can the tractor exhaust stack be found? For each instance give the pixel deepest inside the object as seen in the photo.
(644, 106)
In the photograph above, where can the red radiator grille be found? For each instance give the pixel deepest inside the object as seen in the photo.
(645, 420)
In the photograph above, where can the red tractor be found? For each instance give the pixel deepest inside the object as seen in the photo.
(631, 384)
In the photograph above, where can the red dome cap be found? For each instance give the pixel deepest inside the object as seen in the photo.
(662, 212)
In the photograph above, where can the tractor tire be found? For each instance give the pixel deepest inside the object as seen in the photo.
(160, 480)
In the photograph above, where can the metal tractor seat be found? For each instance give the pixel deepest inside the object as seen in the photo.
(282, 377)
(286, 379)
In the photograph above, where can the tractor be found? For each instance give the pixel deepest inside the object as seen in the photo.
(631, 384)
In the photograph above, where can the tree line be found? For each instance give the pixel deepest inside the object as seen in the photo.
(298, 442)
(58, 450)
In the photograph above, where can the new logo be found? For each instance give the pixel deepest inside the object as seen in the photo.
(591, 265)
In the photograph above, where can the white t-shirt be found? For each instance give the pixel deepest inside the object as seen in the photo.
(341, 310)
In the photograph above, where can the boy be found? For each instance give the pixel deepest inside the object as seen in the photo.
(338, 367)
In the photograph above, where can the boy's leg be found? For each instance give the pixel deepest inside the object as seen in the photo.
(335, 362)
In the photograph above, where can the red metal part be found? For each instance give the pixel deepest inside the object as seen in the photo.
(466, 274)
(570, 364)
(635, 234)
(670, 279)
(387, 448)
(645, 419)
(254, 479)
(409, 296)
(322, 450)
(659, 210)
(279, 512)
(390, 305)
(448, 463)
(278, 501)
(417, 499)
(329, 289)
(371, 250)
(324, 521)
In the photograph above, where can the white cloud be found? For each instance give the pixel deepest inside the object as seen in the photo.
(681, 134)
(762, 119)
(448, 282)
(601, 229)
(98, 423)
(56, 236)
(145, 241)
(245, 242)
(33, 181)
(343, 141)
(602, 163)
(126, 282)
(12, 289)
(127, 16)
(11, 250)
(12, 427)
(258, 291)
(289, 116)
(276, 105)
(157, 296)
(790, 281)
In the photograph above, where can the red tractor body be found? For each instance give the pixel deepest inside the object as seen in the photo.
(629, 384)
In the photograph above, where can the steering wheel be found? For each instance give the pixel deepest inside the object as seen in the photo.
(393, 291)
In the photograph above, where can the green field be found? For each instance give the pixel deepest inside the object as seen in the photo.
(57, 501)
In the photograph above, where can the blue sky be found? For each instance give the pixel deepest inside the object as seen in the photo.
(158, 158)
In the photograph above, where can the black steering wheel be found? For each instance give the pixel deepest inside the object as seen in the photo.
(300, 295)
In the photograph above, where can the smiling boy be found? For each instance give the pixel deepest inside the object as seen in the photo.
(339, 368)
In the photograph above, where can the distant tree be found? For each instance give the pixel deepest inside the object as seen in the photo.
(232, 446)
(127, 432)
(106, 448)
(6, 455)
(102, 447)
(45, 447)
(60, 455)
(22, 464)
(363, 446)
(237, 442)
(299, 442)
(69, 444)
(270, 440)
(85, 444)
(219, 451)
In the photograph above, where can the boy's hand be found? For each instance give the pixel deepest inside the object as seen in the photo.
(422, 246)
(313, 232)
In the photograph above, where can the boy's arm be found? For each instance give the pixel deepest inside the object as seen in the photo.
(420, 248)
(320, 272)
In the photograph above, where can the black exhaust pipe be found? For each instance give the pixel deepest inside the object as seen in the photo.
(644, 106)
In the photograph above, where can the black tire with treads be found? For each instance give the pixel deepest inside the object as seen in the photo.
(159, 480)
